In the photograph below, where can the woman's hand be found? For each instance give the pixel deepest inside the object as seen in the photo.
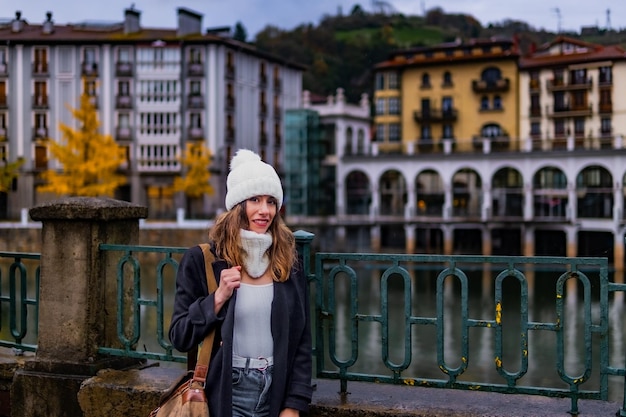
(230, 279)
(289, 412)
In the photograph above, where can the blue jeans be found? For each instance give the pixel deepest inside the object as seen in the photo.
(251, 388)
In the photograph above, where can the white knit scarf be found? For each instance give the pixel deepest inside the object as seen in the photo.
(255, 246)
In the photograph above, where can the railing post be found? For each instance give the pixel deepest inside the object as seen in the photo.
(75, 314)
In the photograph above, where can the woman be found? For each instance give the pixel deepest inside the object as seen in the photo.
(261, 358)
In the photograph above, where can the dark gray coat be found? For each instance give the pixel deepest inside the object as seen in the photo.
(193, 318)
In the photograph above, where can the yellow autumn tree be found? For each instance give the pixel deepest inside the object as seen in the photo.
(89, 159)
(195, 161)
(8, 173)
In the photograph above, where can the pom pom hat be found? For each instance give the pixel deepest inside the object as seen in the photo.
(249, 176)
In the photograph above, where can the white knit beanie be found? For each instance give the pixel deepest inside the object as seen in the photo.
(249, 176)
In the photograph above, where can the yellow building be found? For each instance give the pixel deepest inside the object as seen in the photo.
(457, 95)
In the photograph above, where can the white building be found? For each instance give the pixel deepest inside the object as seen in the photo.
(155, 91)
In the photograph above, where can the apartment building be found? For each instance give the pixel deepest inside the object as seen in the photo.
(155, 90)
(479, 149)
(319, 135)
(570, 93)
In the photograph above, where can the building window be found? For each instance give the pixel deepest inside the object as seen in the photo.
(484, 103)
(195, 55)
(491, 131)
(380, 106)
(41, 126)
(426, 133)
(158, 91)
(448, 132)
(3, 127)
(559, 128)
(41, 94)
(158, 123)
(40, 65)
(605, 75)
(394, 132)
(4, 69)
(3, 94)
(446, 105)
(394, 105)
(90, 65)
(579, 126)
(447, 79)
(380, 132)
(605, 126)
(123, 55)
(497, 102)
(535, 129)
(425, 80)
(393, 80)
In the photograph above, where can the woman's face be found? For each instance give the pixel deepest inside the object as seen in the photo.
(260, 211)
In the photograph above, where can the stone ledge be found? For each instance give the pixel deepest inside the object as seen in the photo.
(136, 392)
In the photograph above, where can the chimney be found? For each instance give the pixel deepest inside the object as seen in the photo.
(48, 25)
(189, 22)
(18, 23)
(131, 20)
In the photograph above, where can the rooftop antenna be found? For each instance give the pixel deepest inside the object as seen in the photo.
(608, 19)
(557, 11)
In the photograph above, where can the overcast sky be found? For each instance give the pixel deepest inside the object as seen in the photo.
(287, 14)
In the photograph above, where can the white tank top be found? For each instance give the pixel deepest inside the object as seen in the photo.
(252, 335)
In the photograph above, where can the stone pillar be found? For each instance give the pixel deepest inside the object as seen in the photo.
(77, 309)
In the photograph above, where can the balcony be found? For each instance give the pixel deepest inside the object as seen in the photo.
(40, 102)
(535, 111)
(4, 135)
(582, 110)
(428, 145)
(195, 69)
(435, 115)
(123, 102)
(40, 69)
(557, 84)
(89, 69)
(123, 133)
(4, 69)
(605, 108)
(492, 143)
(4, 102)
(158, 158)
(123, 69)
(195, 133)
(491, 86)
(40, 133)
(195, 101)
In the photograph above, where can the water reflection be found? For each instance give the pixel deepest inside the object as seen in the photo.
(481, 355)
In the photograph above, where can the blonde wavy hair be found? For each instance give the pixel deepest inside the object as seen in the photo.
(225, 235)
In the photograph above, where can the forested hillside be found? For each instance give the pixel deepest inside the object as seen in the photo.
(341, 50)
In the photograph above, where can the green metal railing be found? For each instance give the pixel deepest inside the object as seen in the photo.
(351, 292)
(19, 294)
(331, 268)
